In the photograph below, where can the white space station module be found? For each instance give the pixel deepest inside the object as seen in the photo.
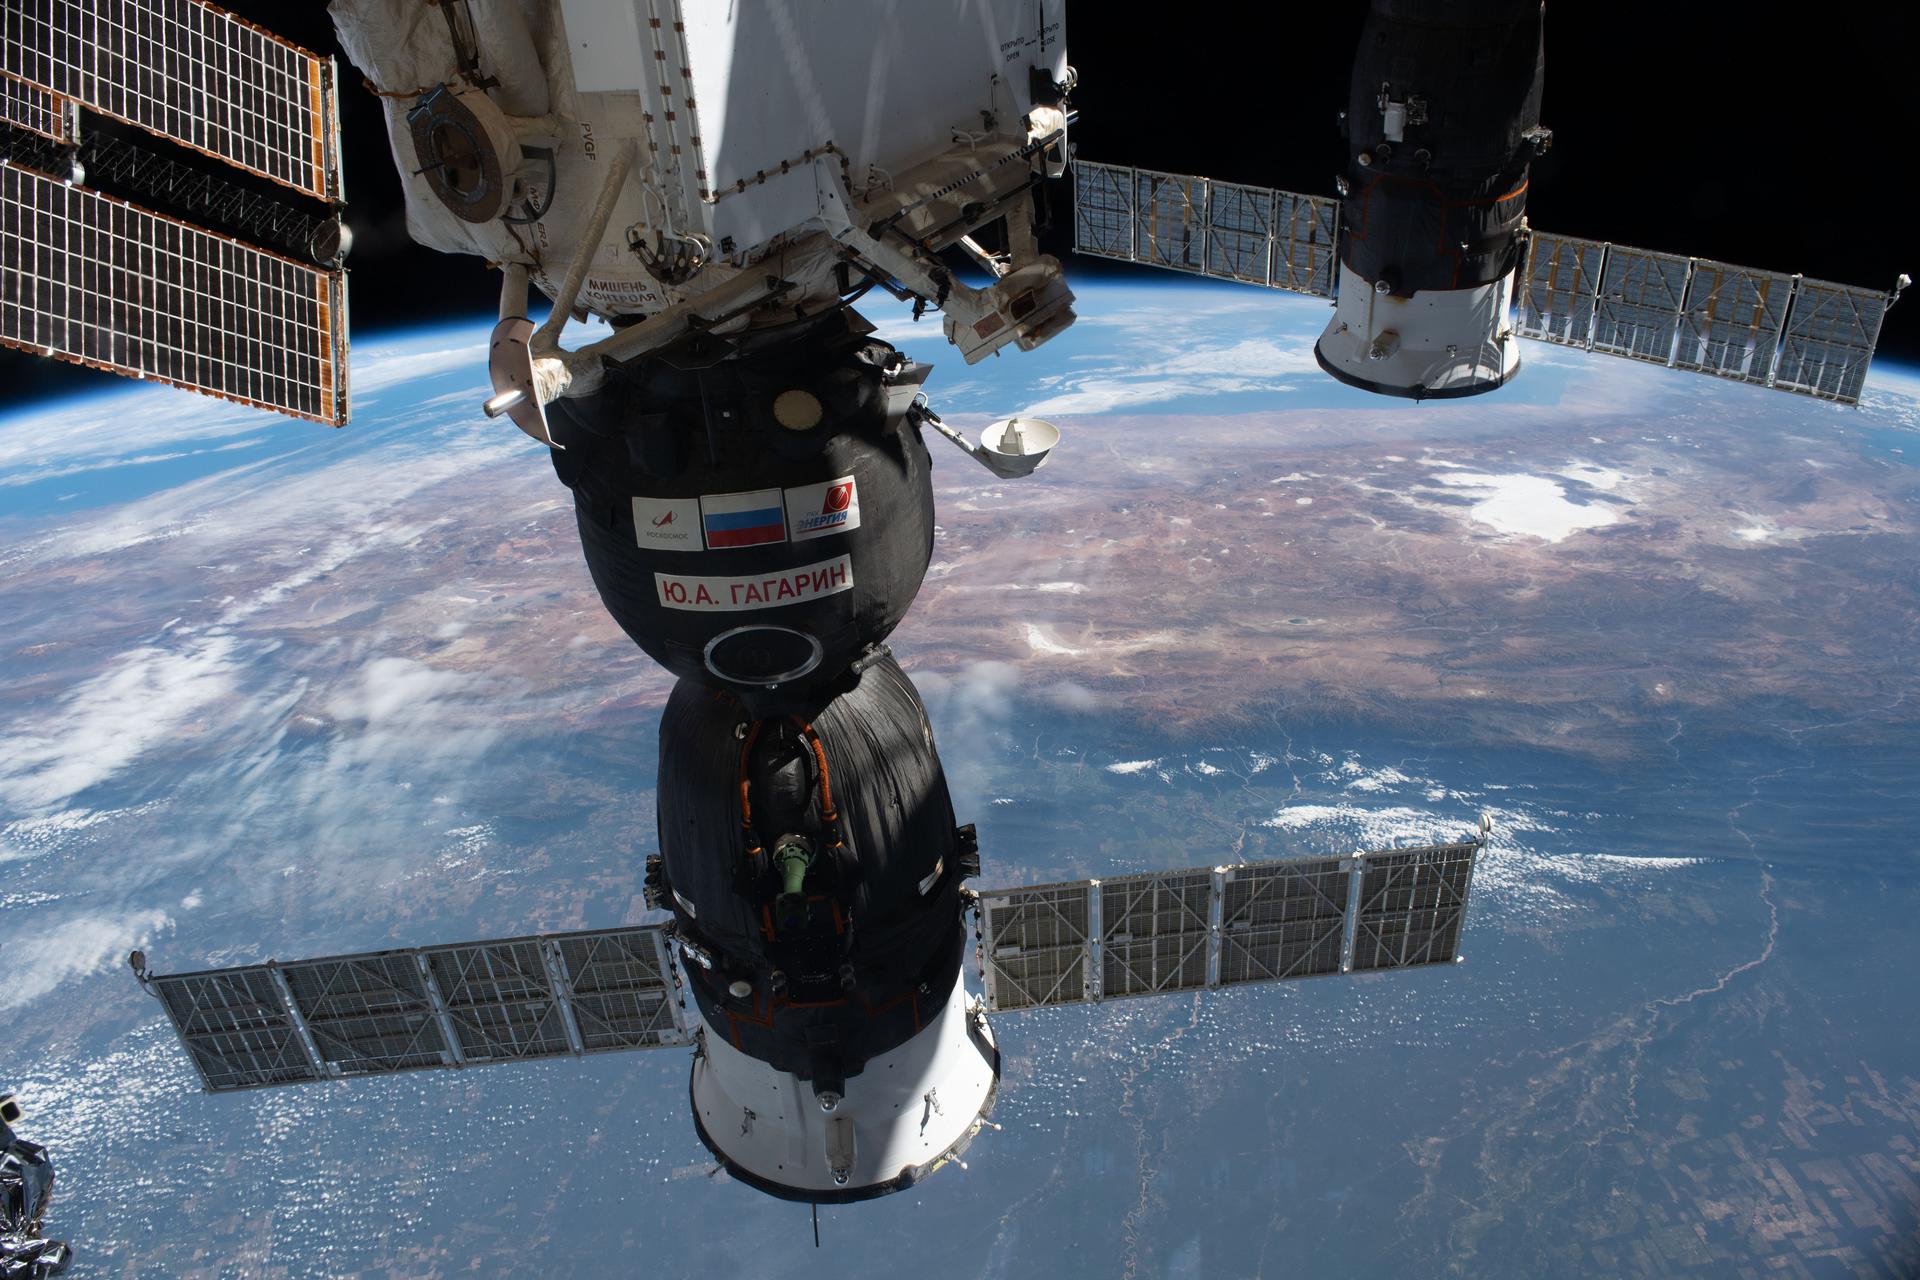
(720, 183)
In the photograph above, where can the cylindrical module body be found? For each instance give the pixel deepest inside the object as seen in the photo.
(754, 515)
(814, 868)
(757, 514)
(1442, 123)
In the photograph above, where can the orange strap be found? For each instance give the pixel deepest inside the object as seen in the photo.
(746, 803)
(820, 755)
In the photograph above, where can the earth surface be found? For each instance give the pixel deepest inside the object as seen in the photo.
(273, 690)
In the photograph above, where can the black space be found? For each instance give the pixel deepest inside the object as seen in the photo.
(1716, 130)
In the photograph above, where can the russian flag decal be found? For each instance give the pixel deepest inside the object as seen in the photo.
(743, 519)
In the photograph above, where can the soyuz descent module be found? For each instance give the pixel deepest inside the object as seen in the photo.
(751, 481)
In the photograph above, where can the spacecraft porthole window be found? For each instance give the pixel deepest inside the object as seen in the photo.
(762, 655)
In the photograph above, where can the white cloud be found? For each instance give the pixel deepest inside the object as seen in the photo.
(399, 738)
(40, 959)
(970, 712)
(1090, 396)
(1069, 696)
(64, 469)
(31, 837)
(129, 425)
(382, 367)
(146, 698)
(1251, 364)
(401, 705)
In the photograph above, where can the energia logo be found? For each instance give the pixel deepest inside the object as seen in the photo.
(816, 510)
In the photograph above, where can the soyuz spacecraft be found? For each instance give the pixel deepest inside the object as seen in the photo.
(751, 479)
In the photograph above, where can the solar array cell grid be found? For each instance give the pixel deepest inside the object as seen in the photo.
(1035, 941)
(621, 993)
(32, 108)
(1172, 220)
(1306, 243)
(188, 72)
(1829, 338)
(1731, 324)
(236, 1028)
(1412, 906)
(1103, 210)
(500, 1000)
(102, 282)
(1155, 931)
(1239, 233)
(368, 1013)
(1638, 313)
(1284, 920)
(1562, 282)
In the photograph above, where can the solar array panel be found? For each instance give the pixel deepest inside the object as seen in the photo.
(1172, 213)
(32, 108)
(1732, 321)
(1641, 296)
(98, 281)
(1828, 343)
(189, 72)
(1036, 943)
(1254, 235)
(555, 995)
(1558, 289)
(1155, 931)
(237, 1027)
(1411, 907)
(1103, 221)
(1284, 920)
(1190, 930)
(1306, 233)
(1762, 327)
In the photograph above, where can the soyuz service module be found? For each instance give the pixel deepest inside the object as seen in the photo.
(720, 183)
